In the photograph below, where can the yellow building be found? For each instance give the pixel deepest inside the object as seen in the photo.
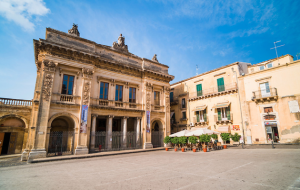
(209, 100)
(88, 97)
(270, 93)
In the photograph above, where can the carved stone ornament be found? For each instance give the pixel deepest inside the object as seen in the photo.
(88, 73)
(86, 93)
(74, 30)
(47, 86)
(121, 44)
(148, 100)
(154, 58)
(49, 66)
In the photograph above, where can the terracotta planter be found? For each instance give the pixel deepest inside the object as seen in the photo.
(175, 149)
(194, 150)
(204, 149)
(182, 149)
(225, 146)
(167, 149)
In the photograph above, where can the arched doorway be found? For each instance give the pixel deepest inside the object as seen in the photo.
(157, 134)
(12, 130)
(61, 138)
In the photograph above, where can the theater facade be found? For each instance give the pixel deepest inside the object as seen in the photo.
(89, 97)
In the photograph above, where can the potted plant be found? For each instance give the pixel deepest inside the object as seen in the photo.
(204, 139)
(182, 141)
(236, 137)
(174, 140)
(193, 140)
(167, 140)
(225, 137)
(215, 137)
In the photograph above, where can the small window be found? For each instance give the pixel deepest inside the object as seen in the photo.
(268, 109)
(67, 87)
(270, 65)
(183, 103)
(171, 97)
(199, 89)
(103, 90)
(132, 93)
(156, 98)
(221, 86)
(184, 115)
(261, 67)
(119, 93)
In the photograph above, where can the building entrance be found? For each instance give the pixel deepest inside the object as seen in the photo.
(157, 134)
(272, 132)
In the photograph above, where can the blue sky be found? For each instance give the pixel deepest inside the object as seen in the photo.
(183, 33)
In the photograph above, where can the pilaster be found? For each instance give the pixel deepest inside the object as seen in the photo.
(124, 131)
(109, 121)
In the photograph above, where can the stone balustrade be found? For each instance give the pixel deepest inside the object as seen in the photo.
(15, 102)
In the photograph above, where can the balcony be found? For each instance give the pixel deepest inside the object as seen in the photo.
(157, 108)
(199, 121)
(224, 120)
(174, 101)
(111, 104)
(215, 91)
(65, 99)
(265, 95)
(15, 102)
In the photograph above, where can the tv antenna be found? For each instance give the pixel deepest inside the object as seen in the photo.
(275, 47)
(196, 69)
(298, 54)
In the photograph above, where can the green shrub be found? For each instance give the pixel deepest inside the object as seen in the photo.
(182, 140)
(175, 140)
(225, 136)
(214, 136)
(236, 137)
(193, 139)
(204, 138)
(167, 139)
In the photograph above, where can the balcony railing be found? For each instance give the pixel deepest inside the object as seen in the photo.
(215, 90)
(15, 102)
(115, 104)
(265, 94)
(157, 108)
(200, 120)
(157, 102)
(174, 101)
(65, 99)
(224, 119)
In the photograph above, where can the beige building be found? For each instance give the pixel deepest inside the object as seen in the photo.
(271, 94)
(209, 100)
(88, 97)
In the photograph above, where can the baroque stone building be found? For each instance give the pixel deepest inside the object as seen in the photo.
(90, 97)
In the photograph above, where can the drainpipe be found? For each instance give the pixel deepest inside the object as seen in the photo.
(188, 102)
(243, 133)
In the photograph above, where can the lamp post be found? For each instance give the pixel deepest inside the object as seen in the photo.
(237, 83)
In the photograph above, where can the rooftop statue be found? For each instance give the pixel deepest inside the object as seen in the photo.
(74, 30)
(121, 44)
(154, 58)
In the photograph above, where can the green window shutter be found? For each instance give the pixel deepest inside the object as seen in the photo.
(199, 89)
(204, 115)
(171, 96)
(219, 114)
(228, 112)
(197, 115)
(220, 83)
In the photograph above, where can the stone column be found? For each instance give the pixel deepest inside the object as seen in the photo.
(148, 92)
(124, 131)
(41, 121)
(137, 129)
(108, 140)
(93, 132)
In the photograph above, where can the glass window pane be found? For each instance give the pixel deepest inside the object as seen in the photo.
(101, 91)
(71, 78)
(70, 90)
(64, 87)
(65, 77)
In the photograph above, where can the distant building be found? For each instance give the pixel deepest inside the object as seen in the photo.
(88, 97)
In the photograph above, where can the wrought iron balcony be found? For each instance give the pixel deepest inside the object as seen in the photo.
(15, 102)
(265, 95)
(174, 101)
(224, 120)
(209, 92)
(201, 121)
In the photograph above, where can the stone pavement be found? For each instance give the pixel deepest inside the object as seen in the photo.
(222, 169)
(11, 161)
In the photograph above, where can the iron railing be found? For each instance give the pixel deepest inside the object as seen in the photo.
(214, 90)
(227, 117)
(15, 102)
(157, 138)
(117, 141)
(174, 101)
(61, 143)
(265, 93)
(197, 119)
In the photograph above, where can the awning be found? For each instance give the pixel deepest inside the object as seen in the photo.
(200, 108)
(270, 123)
(221, 105)
(171, 114)
(224, 129)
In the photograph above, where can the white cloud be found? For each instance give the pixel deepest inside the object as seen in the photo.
(21, 11)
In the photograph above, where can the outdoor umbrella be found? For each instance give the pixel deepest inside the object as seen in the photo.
(180, 133)
(201, 132)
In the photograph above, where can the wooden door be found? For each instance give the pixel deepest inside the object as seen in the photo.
(1, 141)
(12, 143)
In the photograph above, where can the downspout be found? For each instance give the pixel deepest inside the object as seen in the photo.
(187, 87)
(243, 133)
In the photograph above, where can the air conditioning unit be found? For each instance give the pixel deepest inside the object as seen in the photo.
(191, 124)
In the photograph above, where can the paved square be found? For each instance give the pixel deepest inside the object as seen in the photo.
(223, 169)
